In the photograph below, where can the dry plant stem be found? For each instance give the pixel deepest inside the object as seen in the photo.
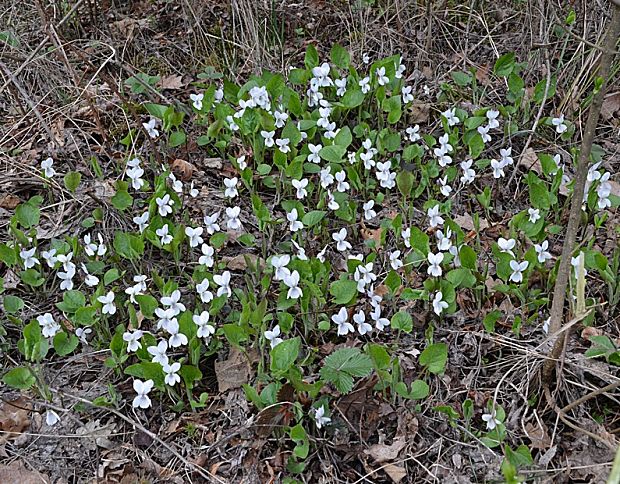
(29, 101)
(561, 283)
(563, 418)
(41, 44)
(595, 393)
(203, 472)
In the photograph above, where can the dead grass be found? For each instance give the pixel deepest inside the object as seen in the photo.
(67, 100)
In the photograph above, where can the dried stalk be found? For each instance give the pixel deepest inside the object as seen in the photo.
(561, 283)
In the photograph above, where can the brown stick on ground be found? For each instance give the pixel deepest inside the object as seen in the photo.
(561, 283)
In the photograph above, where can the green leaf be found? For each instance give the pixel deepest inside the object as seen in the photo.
(299, 76)
(12, 304)
(380, 356)
(72, 180)
(110, 276)
(122, 200)
(505, 65)
(177, 138)
(128, 246)
(352, 98)
(461, 277)
(147, 371)
(435, 357)
(311, 58)
(65, 343)
(490, 319)
(340, 56)
(312, 218)
(333, 153)
(461, 78)
(402, 321)
(404, 182)
(298, 435)
(190, 374)
(28, 214)
(419, 390)
(20, 378)
(156, 110)
(468, 257)
(8, 255)
(31, 277)
(344, 137)
(86, 315)
(235, 334)
(343, 291)
(138, 87)
(341, 366)
(283, 355)
(71, 301)
(539, 194)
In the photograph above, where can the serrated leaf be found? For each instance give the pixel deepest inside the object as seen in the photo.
(341, 366)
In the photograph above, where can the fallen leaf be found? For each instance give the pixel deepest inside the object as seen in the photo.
(9, 201)
(466, 222)
(385, 453)
(419, 112)
(11, 280)
(171, 82)
(96, 434)
(529, 160)
(182, 169)
(482, 74)
(14, 418)
(537, 433)
(396, 473)
(240, 261)
(16, 473)
(548, 456)
(590, 331)
(213, 163)
(611, 106)
(372, 234)
(232, 372)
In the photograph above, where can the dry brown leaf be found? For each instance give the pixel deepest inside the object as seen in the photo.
(240, 261)
(538, 435)
(9, 201)
(372, 234)
(182, 169)
(419, 112)
(233, 372)
(171, 82)
(529, 160)
(16, 473)
(615, 188)
(466, 222)
(213, 163)
(384, 453)
(14, 418)
(611, 106)
(590, 331)
(482, 74)
(396, 473)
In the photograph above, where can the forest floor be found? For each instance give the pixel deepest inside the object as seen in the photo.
(63, 94)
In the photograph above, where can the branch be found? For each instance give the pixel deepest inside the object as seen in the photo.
(561, 283)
